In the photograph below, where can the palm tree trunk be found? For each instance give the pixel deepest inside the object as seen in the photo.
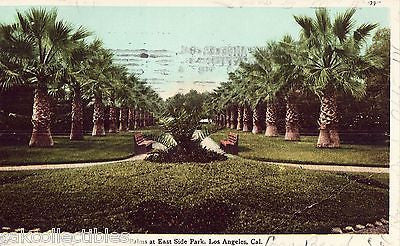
(233, 117)
(328, 123)
(140, 118)
(77, 117)
(270, 120)
(257, 120)
(98, 117)
(136, 119)
(113, 119)
(239, 118)
(131, 118)
(247, 119)
(228, 118)
(144, 118)
(221, 120)
(41, 119)
(292, 120)
(151, 119)
(123, 116)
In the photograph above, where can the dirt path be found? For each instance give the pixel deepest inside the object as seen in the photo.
(71, 165)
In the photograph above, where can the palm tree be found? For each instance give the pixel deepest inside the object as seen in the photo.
(214, 105)
(137, 101)
(289, 59)
(123, 94)
(31, 49)
(226, 103)
(117, 92)
(241, 90)
(334, 64)
(72, 75)
(265, 74)
(149, 101)
(98, 83)
(131, 118)
(123, 119)
(113, 116)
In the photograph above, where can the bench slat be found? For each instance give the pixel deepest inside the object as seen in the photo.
(230, 145)
(143, 145)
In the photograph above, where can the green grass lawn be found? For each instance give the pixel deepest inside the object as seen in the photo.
(109, 147)
(260, 147)
(233, 196)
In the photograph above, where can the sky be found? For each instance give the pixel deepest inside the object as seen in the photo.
(181, 48)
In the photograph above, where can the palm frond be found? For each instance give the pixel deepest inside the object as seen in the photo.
(306, 23)
(167, 140)
(343, 24)
(322, 20)
(80, 34)
(363, 31)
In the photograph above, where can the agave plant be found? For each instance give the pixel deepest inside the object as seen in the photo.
(182, 140)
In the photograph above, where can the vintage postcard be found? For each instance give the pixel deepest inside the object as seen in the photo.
(239, 123)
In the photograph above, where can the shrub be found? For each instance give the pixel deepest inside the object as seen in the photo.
(182, 144)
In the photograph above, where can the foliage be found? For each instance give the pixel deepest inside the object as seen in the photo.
(183, 145)
(376, 107)
(192, 101)
(210, 128)
(328, 58)
(193, 152)
(334, 59)
(41, 51)
(31, 49)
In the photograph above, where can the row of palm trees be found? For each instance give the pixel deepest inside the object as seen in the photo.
(327, 61)
(55, 59)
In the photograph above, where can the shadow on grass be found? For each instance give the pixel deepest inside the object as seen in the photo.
(244, 149)
(313, 162)
(364, 180)
(159, 217)
(14, 178)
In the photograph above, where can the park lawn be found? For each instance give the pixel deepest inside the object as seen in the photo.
(109, 147)
(260, 147)
(233, 196)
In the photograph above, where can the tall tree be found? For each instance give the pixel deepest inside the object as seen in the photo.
(117, 92)
(31, 48)
(378, 83)
(98, 83)
(241, 90)
(74, 67)
(335, 64)
(288, 57)
(265, 92)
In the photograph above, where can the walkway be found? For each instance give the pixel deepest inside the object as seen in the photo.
(71, 165)
(209, 144)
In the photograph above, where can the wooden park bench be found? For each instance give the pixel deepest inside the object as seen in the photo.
(142, 145)
(230, 145)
